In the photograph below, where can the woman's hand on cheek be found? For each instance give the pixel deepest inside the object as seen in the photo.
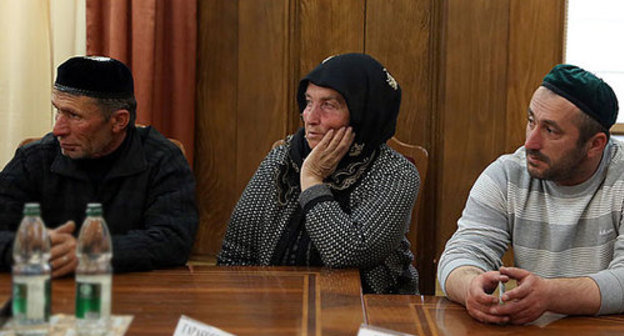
(324, 158)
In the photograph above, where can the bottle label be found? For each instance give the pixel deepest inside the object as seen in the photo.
(93, 297)
(31, 297)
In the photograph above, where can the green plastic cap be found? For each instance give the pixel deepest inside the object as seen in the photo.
(32, 209)
(94, 209)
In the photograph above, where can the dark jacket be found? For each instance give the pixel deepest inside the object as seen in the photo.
(148, 197)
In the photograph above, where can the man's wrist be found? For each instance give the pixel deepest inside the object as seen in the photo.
(459, 281)
(549, 293)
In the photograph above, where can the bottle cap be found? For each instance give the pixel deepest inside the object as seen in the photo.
(32, 209)
(94, 209)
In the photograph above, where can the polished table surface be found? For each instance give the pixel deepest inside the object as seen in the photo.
(427, 315)
(293, 301)
(242, 301)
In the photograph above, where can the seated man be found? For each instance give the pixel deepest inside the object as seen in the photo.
(558, 201)
(95, 154)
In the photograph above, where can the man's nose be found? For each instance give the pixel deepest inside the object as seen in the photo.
(533, 139)
(60, 126)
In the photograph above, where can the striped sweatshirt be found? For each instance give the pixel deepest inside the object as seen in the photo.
(555, 231)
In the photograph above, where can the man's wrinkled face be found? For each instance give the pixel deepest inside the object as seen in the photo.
(80, 127)
(325, 109)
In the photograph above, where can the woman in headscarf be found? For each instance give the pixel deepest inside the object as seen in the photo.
(334, 194)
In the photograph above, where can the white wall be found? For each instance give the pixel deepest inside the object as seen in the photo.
(35, 36)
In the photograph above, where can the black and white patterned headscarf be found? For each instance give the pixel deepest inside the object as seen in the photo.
(373, 97)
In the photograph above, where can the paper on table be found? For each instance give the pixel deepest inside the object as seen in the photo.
(546, 319)
(63, 325)
(188, 326)
(368, 330)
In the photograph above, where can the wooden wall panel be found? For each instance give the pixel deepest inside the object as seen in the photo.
(262, 82)
(326, 28)
(398, 34)
(216, 127)
(535, 35)
(472, 101)
(408, 55)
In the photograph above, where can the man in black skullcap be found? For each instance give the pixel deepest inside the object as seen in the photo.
(558, 201)
(96, 154)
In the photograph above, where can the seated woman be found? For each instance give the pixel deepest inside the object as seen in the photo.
(334, 194)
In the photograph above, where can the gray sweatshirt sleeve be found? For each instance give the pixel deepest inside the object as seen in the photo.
(483, 233)
(611, 280)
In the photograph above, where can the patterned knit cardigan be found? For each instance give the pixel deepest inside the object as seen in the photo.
(371, 238)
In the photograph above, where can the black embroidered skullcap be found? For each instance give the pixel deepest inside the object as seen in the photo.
(95, 76)
(583, 89)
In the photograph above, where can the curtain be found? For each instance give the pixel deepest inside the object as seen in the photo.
(35, 36)
(157, 40)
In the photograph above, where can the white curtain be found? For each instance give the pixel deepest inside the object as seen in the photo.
(35, 36)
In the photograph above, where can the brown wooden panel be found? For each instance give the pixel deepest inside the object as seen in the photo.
(472, 101)
(535, 46)
(328, 27)
(408, 55)
(216, 127)
(262, 82)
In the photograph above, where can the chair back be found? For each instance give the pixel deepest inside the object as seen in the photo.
(26, 141)
(278, 143)
(420, 158)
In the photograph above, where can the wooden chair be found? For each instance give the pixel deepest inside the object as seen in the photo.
(27, 141)
(420, 158)
(278, 143)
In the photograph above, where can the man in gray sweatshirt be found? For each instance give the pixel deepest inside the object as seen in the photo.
(558, 201)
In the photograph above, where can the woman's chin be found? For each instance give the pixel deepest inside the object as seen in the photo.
(312, 143)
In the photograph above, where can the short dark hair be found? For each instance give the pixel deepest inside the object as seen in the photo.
(588, 127)
(109, 105)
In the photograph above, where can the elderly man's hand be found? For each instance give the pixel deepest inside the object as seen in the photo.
(325, 156)
(528, 301)
(480, 301)
(63, 253)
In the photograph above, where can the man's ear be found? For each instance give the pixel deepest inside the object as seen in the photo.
(597, 143)
(120, 120)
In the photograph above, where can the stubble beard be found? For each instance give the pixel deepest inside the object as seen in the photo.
(563, 170)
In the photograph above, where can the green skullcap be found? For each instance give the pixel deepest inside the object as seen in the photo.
(583, 89)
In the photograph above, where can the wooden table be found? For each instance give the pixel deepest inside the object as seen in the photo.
(243, 301)
(293, 301)
(429, 315)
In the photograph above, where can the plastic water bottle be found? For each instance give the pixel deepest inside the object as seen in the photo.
(93, 274)
(31, 274)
